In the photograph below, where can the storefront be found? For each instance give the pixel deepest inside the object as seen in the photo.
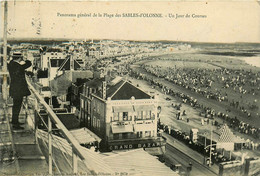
(149, 143)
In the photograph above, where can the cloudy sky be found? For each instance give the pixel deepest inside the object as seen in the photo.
(218, 22)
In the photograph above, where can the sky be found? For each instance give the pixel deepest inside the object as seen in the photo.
(224, 22)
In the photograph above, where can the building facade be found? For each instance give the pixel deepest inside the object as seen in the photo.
(122, 115)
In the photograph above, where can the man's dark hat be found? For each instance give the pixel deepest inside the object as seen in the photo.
(17, 55)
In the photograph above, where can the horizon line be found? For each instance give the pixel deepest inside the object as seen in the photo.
(53, 39)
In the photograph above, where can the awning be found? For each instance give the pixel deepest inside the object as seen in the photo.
(239, 140)
(85, 136)
(122, 129)
(145, 127)
(123, 108)
(144, 107)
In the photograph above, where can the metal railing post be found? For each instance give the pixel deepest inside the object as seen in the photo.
(50, 145)
(75, 162)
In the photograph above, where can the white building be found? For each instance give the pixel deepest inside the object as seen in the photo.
(121, 114)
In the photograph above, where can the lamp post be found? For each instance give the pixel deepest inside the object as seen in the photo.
(159, 109)
(209, 146)
(205, 143)
(210, 152)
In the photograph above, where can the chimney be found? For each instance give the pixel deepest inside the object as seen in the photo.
(104, 89)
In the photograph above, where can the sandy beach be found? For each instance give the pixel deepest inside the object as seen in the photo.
(253, 61)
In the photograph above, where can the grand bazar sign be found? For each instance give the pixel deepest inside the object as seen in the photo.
(132, 146)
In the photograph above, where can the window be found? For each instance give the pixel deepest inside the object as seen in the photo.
(149, 115)
(125, 136)
(86, 116)
(144, 114)
(120, 116)
(82, 114)
(82, 104)
(85, 105)
(139, 116)
(87, 91)
(88, 107)
(125, 116)
(98, 124)
(116, 116)
(139, 134)
(94, 121)
(115, 136)
(147, 133)
(89, 119)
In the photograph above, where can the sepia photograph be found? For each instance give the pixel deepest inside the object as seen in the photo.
(120, 88)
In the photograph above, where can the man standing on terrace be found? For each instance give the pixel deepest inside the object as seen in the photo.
(18, 86)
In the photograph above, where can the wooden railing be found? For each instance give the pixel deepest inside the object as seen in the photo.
(91, 161)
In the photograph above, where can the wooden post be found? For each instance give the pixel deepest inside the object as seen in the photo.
(4, 88)
(50, 145)
(75, 162)
(35, 120)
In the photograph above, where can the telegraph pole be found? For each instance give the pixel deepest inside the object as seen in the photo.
(4, 70)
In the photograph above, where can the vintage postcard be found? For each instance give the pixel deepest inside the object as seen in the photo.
(130, 88)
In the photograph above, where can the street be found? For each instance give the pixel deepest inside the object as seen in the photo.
(174, 156)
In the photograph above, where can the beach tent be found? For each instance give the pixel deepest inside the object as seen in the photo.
(227, 139)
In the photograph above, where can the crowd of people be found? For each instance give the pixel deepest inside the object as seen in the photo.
(218, 84)
(206, 111)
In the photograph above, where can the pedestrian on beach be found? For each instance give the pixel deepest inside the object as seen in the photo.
(18, 86)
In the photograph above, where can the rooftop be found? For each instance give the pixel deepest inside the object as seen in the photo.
(136, 162)
(118, 90)
(94, 83)
(124, 90)
(66, 65)
(85, 136)
(54, 50)
(68, 119)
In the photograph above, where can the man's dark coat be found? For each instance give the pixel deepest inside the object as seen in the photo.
(18, 85)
